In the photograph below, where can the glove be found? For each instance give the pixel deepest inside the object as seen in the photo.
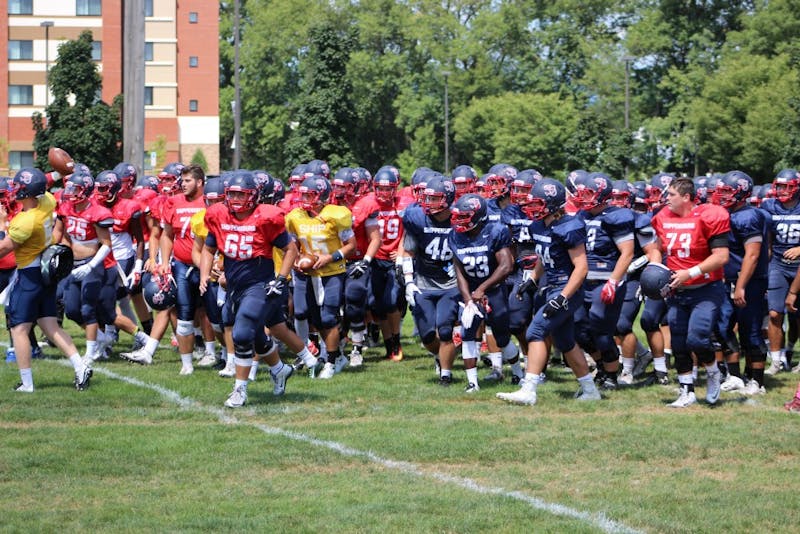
(609, 291)
(79, 273)
(528, 262)
(530, 286)
(411, 289)
(275, 287)
(470, 312)
(638, 264)
(555, 304)
(359, 269)
(135, 278)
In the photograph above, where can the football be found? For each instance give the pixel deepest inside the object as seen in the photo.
(305, 262)
(60, 160)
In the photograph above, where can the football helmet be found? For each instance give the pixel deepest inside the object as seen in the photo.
(7, 196)
(571, 182)
(701, 189)
(592, 190)
(315, 191)
(657, 188)
(56, 264)
(29, 183)
(385, 183)
(107, 186)
(127, 176)
(344, 187)
(147, 182)
(241, 192)
(468, 212)
(419, 179)
(160, 291)
(363, 181)
(270, 189)
(169, 179)
(639, 194)
(498, 180)
(547, 197)
(522, 184)
(767, 191)
(318, 166)
(732, 188)
(655, 280)
(755, 196)
(213, 191)
(464, 178)
(438, 195)
(786, 185)
(297, 176)
(78, 187)
(621, 194)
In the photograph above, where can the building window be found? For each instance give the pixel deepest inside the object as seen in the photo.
(20, 95)
(20, 7)
(20, 50)
(148, 51)
(148, 8)
(192, 17)
(192, 105)
(92, 8)
(148, 96)
(193, 61)
(97, 50)
(18, 159)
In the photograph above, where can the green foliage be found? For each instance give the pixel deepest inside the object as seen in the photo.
(198, 158)
(77, 120)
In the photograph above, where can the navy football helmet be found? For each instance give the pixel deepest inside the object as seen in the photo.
(419, 178)
(655, 280)
(160, 291)
(464, 178)
(78, 187)
(213, 191)
(147, 182)
(169, 179)
(344, 187)
(439, 194)
(363, 181)
(592, 190)
(621, 194)
(56, 263)
(571, 181)
(755, 196)
(7, 197)
(241, 192)
(498, 180)
(385, 183)
(318, 166)
(657, 189)
(297, 176)
(786, 185)
(315, 191)
(733, 188)
(522, 185)
(547, 197)
(468, 213)
(29, 183)
(127, 175)
(270, 189)
(107, 186)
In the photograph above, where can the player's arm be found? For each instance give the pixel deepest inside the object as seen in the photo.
(505, 264)
(580, 268)
(374, 236)
(716, 260)
(59, 235)
(7, 244)
(626, 249)
(791, 296)
(197, 250)
(166, 242)
(752, 250)
(155, 237)
(290, 253)
(207, 253)
(461, 280)
(135, 230)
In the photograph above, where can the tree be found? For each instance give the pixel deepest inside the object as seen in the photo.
(198, 158)
(77, 120)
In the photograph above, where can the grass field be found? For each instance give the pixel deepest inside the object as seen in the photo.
(385, 449)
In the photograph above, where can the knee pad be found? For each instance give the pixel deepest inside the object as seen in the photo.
(446, 333)
(185, 328)
(683, 362)
(584, 339)
(705, 357)
(243, 351)
(264, 345)
(428, 338)
(88, 313)
(510, 352)
(243, 362)
(609, 355)
(757, 355)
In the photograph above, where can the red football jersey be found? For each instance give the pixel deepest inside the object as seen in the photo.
(178, 213)
(145, 197)
(390, 222)
(9, 261)
(81, 226)
(290, 201)
(248, 238)
(364, 209)
(684, 240)
(123, 211)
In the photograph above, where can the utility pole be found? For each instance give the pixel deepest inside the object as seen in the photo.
(133, 84)
(237, 107)
(446, 73)
(627, 60)
(47, 24)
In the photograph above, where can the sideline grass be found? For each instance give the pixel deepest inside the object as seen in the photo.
(122, 458)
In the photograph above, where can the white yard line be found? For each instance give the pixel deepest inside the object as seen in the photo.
(598, 520)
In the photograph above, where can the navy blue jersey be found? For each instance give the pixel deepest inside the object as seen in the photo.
(644, 232)
(748, 224)
(427, 238)
(604, 231)
(784, 226)
(477, 254)
(494, 211)
(553, 244)
(520, 227)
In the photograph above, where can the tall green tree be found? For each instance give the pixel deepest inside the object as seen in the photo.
(77, 120)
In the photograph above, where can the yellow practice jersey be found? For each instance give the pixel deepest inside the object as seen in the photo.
(321, 234)
(198, 225)
(32, 230)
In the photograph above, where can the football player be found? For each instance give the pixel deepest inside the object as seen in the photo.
(29, 299)
(245, 232)
(694, 242)
(483, 259)
(560, 240)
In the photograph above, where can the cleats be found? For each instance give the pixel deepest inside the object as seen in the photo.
(732, 383)
(684, 400)
(186, 370)
(472, 388)
(328, 370)
(280, 378)
(209, 359)
(82, 378)
(340, 364)
(140, 356)
(21, 388)
(496, 375)
(237, 398)
(525, 395)
(356, 358)
(446, 380)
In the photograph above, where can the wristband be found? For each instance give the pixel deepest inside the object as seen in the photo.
(408, 265)
(368, 259)
(337, 256)
(695, 272)
(282, 279)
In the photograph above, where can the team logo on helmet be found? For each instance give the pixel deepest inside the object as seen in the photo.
(549, 190)
(600, 182)
(25, 177)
